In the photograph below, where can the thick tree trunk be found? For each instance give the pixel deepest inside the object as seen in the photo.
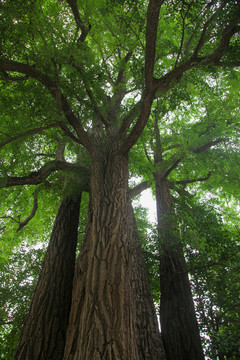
(103, 321)
(179, 326)
(43, 335)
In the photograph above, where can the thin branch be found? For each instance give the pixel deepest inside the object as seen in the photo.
(90, 94)
(28, 132)
(174, 146)
(183, 33)
(189, 181)
(132, 114)
(146, 154)
(121, 80)
(46, 155)
(158, 148)
(205, 28)
(31, 216)
(68, 132)
(95, 107)
(226, 63)
(197, 151)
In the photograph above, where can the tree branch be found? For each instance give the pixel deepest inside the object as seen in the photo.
(203, 34)
(120, 84)
(31, 216)
(28, 132)
(13, 78)
(127, 121)
(208, 145)
(175, 164)
(151, 38)
(14, 66)
(183, 32)
(168, 81)
(139, 188)
(158, 148)
(95, 107)
(37, 177)
(79, 22)
(190, 181)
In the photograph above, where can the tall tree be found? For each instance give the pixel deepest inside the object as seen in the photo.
(90, 60)
(47, 321)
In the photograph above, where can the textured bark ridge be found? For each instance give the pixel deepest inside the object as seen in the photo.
(43, 335)
(103, 320)
(148, 336)
(179, 328)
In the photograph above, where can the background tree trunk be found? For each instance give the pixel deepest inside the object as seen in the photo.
(44, 332)
(179, 326)
(148, 336)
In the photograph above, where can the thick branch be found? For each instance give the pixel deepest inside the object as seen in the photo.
(148, 95)
(151, 38)
(37, 177)
(146, 104)
(79, 22)
(139, 188)
(13, 78)
(175, 164)
(208, 145)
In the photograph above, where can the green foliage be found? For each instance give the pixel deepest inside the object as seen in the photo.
(18, 279)
(198, 122)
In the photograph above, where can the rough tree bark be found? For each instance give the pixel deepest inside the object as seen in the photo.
(179, 327)
(148, 336)
(103, 321)
(44, 332)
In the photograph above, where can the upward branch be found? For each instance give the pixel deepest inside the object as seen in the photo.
(197, 150)
(14, 66)
(78, 20)
(148, 94)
